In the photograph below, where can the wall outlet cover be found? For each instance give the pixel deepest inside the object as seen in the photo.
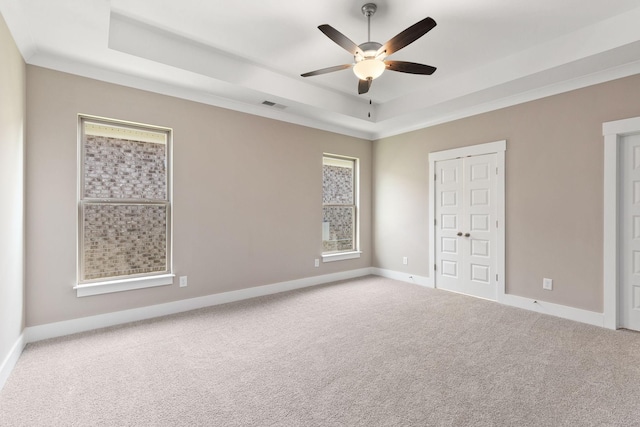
(547, 284)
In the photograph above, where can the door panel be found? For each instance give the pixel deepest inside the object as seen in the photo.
(448, 220)
(466, 234)
(630, 261)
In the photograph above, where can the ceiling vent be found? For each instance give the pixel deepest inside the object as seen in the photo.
(274, 105)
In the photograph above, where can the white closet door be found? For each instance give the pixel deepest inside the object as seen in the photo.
(629, 303)
(449, 192)
(466, 231)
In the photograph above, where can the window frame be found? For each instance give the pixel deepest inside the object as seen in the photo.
(355, 251)
(87, 287)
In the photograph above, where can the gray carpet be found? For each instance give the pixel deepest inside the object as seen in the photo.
(364, 352)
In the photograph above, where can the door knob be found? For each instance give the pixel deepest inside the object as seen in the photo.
(459, 233)
(467, 234)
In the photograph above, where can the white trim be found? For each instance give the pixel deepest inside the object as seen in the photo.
(11, 359)
(430, 116)
(501, 238)
(612, 131)
(564, 311)
(133, 133)
(470, 150)
(67, 327)
(129, 284)
(403, 277)
(498, 148)
(313, 116)
(340, 256)
(622, 127)
(354, 163)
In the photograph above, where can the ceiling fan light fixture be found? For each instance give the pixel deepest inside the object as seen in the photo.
(370, 58)
(369, 69)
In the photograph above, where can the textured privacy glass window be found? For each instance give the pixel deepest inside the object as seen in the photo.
(340, 224)
(125, 207)
(124, 239)
(123, 169)
(337, 185)
(339, 210)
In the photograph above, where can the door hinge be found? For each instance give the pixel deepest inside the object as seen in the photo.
(496, 277)
(496, 171)
(435, 267)
(435, 221)
(435, 176)
(496, 223)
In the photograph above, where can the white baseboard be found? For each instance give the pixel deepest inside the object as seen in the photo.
(403, 277)
(11, 359)
(52, 330)
(68, 327)
(558, 310)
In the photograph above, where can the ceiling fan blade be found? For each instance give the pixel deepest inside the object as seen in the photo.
(327, 70)
(364, 85)
(409, 67)
(407, 36)
(340, 39)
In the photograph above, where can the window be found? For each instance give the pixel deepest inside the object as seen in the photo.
(339, 208)
(124, 208)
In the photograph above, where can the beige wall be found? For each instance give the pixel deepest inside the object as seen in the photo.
(554, 190)
(12, 119)
(247, 195)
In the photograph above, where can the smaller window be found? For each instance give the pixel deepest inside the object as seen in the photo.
(340, 206)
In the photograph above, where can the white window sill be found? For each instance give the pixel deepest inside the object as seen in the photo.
(120, 285)
(341, 256)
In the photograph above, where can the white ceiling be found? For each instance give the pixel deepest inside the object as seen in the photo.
(237, 54)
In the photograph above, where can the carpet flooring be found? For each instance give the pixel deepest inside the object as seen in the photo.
(363, 352)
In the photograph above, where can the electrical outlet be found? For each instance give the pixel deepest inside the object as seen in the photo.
(405, 260)
(547, 284)
(183, 281)
(317, 263)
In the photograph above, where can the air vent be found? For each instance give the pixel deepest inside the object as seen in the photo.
(274, 105)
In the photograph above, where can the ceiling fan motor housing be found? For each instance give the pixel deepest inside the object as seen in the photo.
(370, 49)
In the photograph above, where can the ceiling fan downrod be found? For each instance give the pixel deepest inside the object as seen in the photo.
(368, 10)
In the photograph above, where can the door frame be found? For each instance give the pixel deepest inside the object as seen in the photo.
(613, 133)
(498, 148)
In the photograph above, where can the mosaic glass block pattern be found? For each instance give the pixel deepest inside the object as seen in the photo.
(338, 222)
(121, 240)
(337, 185)
(123, 169)
(338, 228)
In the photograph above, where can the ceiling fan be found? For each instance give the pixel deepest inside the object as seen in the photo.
(370, 57)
